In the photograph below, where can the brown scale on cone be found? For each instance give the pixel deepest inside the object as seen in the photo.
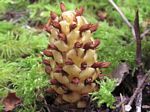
(48, 69)
(62, 7)
(47, 53)
(58, 69)
(91, 45)
(56, 24)
(69, 62)
(72, 26)
(85, 27)
(62, 37)
(83, 65)
(46, 62)
(53, 15)
(47, 28)
(93, 27)
(100, 64)
(73, 67)
(78, 45)
(52, 47)
(79, 12)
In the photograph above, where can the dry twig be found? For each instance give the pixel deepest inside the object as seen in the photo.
(123, 101)
(140, 70)
(138, 89)
(145, 106)
(126, 20)
(145, 33)
(46, 105)
(122, 105)
(123, 17)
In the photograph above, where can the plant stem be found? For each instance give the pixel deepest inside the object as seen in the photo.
(140, 72)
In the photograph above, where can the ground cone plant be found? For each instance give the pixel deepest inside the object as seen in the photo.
(71, 59)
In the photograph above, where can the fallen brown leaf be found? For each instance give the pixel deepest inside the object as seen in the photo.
(120, 72)
(11, 101)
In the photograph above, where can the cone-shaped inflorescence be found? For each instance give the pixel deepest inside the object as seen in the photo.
(71, 56)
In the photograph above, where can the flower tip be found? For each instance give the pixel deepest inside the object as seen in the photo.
(62, 7)
(53, 15)
(79, 12)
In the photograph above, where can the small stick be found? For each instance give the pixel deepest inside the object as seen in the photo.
(122, 105)
(138, 89)
(146, 106)
(145, 33)
(126, 20)
(46, 105)
(140, 73)
(123, 17)
(123, 101)
(121, 14)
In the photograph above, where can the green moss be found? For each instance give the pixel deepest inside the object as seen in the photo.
(104, 95)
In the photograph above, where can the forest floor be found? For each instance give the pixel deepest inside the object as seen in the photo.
(124, 33)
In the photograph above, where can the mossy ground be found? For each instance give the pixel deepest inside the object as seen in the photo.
(22, 40)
